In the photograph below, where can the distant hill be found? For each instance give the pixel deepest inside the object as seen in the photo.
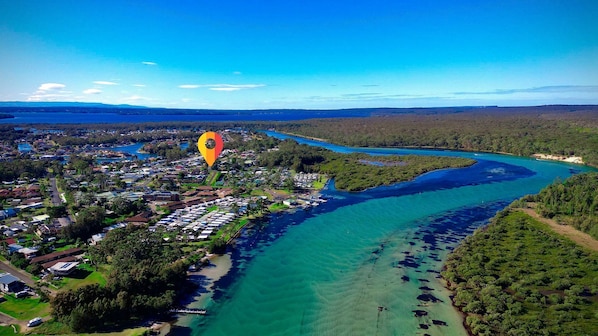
(74, 107)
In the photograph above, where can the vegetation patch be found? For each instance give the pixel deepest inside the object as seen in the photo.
(275, 207)
(147, 276)
(573, 202)
(354, 172)
(517, 277)
(83, 276)
(557, 130)
(9, 330)
(24, 308)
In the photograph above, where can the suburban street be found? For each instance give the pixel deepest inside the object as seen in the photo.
(22, 275)
(56, 200)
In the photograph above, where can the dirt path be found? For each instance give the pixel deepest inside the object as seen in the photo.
(570, 232)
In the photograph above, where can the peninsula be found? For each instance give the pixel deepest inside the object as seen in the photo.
(524, 274)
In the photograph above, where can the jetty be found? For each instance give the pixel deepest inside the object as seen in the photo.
(196, 311)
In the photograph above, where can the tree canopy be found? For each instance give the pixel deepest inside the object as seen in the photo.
(354, 172)
(517, 277)
(146, 276)
(573, 202)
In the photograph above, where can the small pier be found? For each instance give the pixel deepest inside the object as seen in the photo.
(196, 311)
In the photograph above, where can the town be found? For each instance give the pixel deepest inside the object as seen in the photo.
(63, 192)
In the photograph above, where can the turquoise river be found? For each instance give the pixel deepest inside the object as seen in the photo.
(363, 263)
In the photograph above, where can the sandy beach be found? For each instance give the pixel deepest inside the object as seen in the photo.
(570, 159)
(206, 277)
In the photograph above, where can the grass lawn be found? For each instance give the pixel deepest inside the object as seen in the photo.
(24, 309)
(260, 192)
(57, 328)
(189, 186)
(283, 191)
(8, 330)
(111, 221)
(320, 184)
(65, 247)
(212, 178)
(51, 327)
(127, 332)
(277, 207)
(84, 275)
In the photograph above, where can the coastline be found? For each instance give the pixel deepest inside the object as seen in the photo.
(303, 136)
(562, 158)
(537, 156)
(205, 278)
(451, 294)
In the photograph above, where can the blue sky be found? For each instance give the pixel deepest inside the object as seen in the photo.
(243, 54)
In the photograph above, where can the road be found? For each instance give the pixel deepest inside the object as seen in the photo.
(5, 266)
(22, 275)
(56, 200)
(7, 319)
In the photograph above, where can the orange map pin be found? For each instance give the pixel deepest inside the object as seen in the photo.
(210, 146)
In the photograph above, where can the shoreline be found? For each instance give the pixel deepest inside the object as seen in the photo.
(304, 137)
(446, 285)
(561, 158)
(205, 278)
(538, 156)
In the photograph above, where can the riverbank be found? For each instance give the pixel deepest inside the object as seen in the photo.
(302, 136)
(518, 274)
(205, 279)
(562, 158)
(328, 270)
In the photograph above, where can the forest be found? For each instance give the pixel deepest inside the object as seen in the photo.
(146, 277)
(517, 277)
(355, 172)
(17, 168)
(568, 130)
(557, 130)
(573, 202)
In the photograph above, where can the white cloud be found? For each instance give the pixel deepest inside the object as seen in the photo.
(233, 87)
(222, 87)
(139, 85)
(51, 86)
(104, 83)
(49, 92)
(135, 98)
(237, 73)
(92, 91)
(149, 63)
(229, 89)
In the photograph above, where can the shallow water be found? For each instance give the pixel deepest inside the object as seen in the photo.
(363, 262)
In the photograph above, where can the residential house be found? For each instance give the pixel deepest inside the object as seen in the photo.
(63, 268)
(10, 284)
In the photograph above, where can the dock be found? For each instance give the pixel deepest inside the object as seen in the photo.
(196, 311)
